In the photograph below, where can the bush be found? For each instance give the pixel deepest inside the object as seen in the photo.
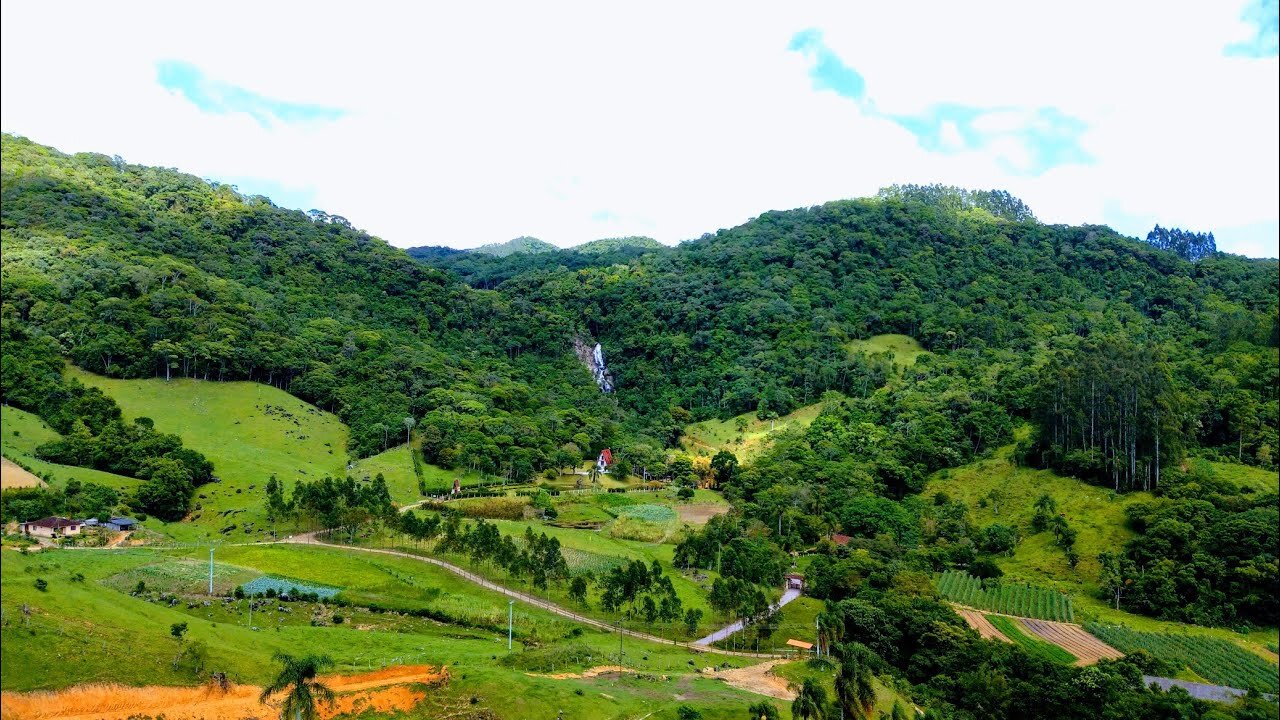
(41, 584)
(338, 619)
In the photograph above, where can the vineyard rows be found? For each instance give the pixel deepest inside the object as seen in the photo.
(1218, 661)
(1008, 598)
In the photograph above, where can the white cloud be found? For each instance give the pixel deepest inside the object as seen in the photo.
(480, 122)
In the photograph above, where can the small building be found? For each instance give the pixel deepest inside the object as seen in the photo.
(793, 581)
(800, 645)
(51, 527)
(605, 460)
(121, 524)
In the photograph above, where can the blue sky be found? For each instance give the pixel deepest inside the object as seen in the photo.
(436, 125)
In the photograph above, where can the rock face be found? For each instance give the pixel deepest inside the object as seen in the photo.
(593, 359)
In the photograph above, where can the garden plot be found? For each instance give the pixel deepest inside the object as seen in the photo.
(645, 522)
(182, 576)
(271, 586)
(979, 622)
(1072, 638)
(1216, 660)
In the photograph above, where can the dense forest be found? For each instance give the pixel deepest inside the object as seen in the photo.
(1126, 359)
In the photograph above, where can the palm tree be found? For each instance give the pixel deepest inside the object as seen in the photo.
(810, 702)
(298, 678)
(408, 427)
(853, 685)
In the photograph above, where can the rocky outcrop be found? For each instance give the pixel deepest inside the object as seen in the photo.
(593, 359)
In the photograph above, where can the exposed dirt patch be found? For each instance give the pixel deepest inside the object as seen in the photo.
(758, 679)
(979, 622)
(12, 475)
(596, 671)
(387, 690)
(700, 513)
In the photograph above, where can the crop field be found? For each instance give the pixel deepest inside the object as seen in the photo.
(265, 584)
(906, 349)
(1009, 628)
(181, 576)
(1009, 598)
(1071, 638)
(979, 622)
(1218, 661)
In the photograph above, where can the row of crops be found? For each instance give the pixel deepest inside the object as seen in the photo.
(279, 586)
(1009, 598)
(1216, 660)
(1034, 646)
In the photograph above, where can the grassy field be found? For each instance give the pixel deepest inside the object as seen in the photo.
(1096, 513)
(85, 631)
(796, 673)
(396, 466)
(23, 432)
(795, 620)
(708, 437)
(905, 348)
(1247, 476)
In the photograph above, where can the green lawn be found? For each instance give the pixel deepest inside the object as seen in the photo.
(905, 348)
(795, 621)
(85, 631)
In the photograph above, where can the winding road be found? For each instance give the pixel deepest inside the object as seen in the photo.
(701, 645)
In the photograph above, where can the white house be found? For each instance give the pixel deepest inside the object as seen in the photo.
(52, 527)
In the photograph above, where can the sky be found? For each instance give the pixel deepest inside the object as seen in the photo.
(470, 123)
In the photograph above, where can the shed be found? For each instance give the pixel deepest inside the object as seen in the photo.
(121, 524)
(800, 644)
(793, 581)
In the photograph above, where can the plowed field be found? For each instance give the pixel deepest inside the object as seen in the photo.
(979, 622)
(1071, 638)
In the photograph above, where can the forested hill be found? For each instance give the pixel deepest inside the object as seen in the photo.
(136, 271)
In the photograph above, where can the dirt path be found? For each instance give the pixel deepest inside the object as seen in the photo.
(758, 679)
(310, 539)
(383, 691)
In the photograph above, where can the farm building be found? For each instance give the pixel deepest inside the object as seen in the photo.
(800, 644)
(120, 524)
(793, 581)
(52, 527)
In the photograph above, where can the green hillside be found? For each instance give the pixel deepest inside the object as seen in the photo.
(608, 245)
(708, 437)
(249, 431)
(905, 348)
(23, 432)
(523, 244)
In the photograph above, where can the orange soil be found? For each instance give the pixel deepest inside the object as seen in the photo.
(979, 622)
(381, 690)
(758, 679)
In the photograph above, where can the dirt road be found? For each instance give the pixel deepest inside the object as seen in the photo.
(310, 539)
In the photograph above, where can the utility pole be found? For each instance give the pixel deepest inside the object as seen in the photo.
(817, 636)
(210, 571)
(510, 610)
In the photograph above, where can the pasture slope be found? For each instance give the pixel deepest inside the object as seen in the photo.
(440, 621)
(22, 432)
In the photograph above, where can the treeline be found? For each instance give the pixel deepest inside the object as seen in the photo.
(1206, 552)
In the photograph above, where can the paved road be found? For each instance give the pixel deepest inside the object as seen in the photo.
(726, 631)
(1200, 691)
(310, 539)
